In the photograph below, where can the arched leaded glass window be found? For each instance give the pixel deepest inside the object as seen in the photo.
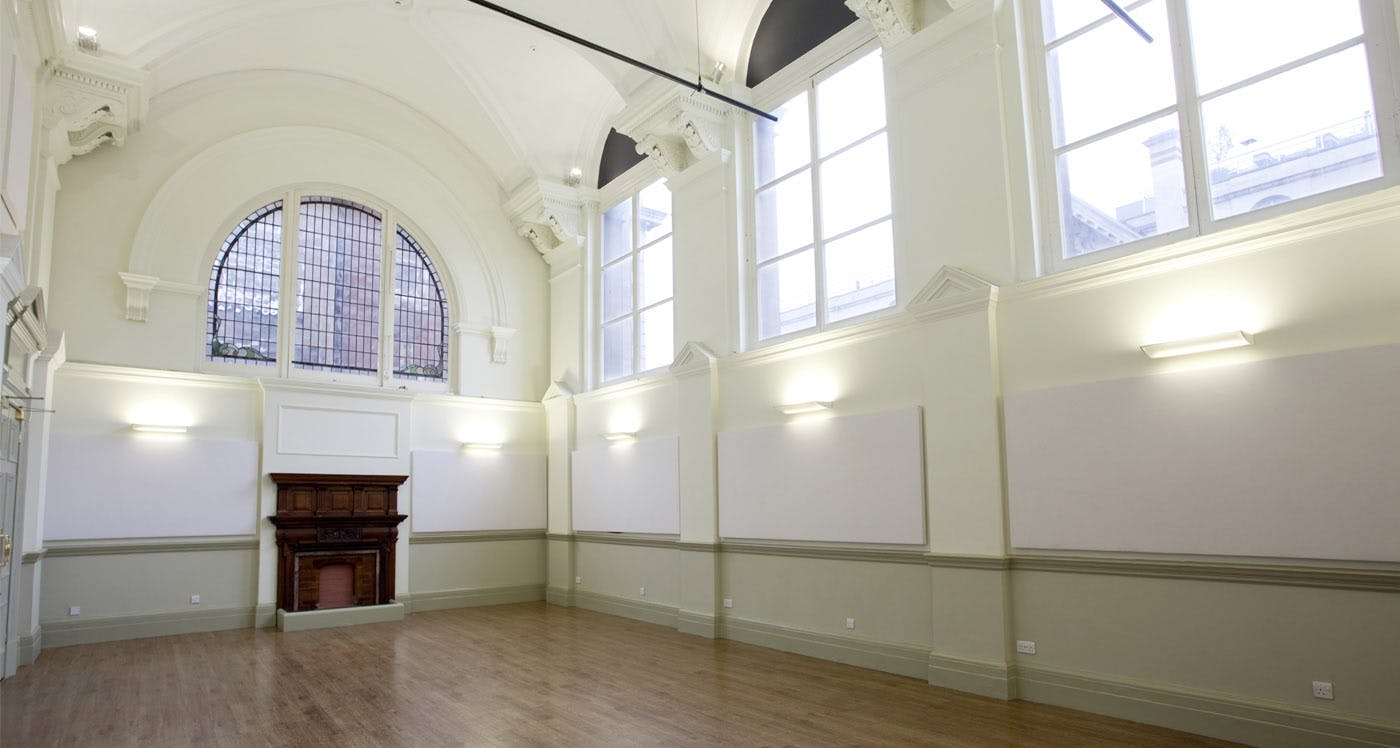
(342, 293)
(420, 313)
(244, 290)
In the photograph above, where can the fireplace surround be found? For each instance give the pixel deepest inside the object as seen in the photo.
(337, 528)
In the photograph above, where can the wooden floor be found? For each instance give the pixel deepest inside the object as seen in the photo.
(512, 674)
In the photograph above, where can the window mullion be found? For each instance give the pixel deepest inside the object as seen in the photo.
(818, 246)
(1381, 40)
(286, 327)
(636, 282)
(1197, 168)
(388, 233)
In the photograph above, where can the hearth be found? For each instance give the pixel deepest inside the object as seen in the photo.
(335, 539)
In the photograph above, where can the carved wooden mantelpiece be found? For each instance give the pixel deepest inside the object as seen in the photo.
(325, 520)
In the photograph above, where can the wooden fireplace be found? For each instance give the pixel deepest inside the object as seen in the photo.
(335, 539)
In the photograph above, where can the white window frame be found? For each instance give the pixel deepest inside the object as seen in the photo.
(630, 186)
(1379, 39)
(805, 74)
(390, 220)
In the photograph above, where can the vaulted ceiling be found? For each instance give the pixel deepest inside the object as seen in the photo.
(526, 103)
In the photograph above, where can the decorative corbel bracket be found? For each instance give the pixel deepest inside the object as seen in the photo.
(673, 127)
(496, 336)
(952, 292)
(500, 336)
(90, 102)
(894, 20)
(138, 295)
(550, 216)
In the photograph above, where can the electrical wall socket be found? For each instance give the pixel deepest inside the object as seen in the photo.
(644, 592)
(578, 580)
(75, 610)
(728, 602)
(1025, 647)
(194, 599)
(1322, 689)
(850, 624)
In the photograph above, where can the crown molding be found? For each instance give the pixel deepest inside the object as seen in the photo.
(674, 128)
(894, 20)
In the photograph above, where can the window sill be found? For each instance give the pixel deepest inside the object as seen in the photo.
(1329, 218)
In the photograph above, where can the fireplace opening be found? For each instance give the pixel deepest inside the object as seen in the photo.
(337, 586)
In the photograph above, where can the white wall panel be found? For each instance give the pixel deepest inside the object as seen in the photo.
(856, 479)
(132, 486)
(1289, 457)
(460, 491)
(337, 432)
(628, 487)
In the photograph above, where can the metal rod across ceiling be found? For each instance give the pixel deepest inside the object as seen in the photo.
(695, 85)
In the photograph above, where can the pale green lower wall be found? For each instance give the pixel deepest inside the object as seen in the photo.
(622, 570)
(890, 602)
(473, 565)
(1255, 641)
(124, 584)
(1233, 659)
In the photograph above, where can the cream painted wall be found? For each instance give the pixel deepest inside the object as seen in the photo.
(162, 204)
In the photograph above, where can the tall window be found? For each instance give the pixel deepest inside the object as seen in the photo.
(824, 247)
(1234, 107)
(341, 293)
(635, 279)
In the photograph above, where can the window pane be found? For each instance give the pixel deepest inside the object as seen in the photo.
(783, 217)
(617, 349)
(245, 291)
(780, 147)
(617, 290)
(851, 104)
(1060, 17)
(658, 334)
(654, 267)
(1110, 75)
(1234, 39)
(338, 264)
(420, 314)
(654, 212)
(1123, 188)
(1302, 132)
(856, 187)
(617, 231)
(860, 273)
(787, 291)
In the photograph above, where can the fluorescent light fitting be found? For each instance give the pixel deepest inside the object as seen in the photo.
(481, 445)
(1188, 346)
(793, 409)
(620, 436)
(159, 428)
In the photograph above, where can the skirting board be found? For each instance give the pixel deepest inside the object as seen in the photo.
(900, 659)
(116, 628)
(422, 602)
(354, 615)
(1206, 713)
(982, 677)
(664, 615)
(559, 596)
(30, 647)
(697, 623)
